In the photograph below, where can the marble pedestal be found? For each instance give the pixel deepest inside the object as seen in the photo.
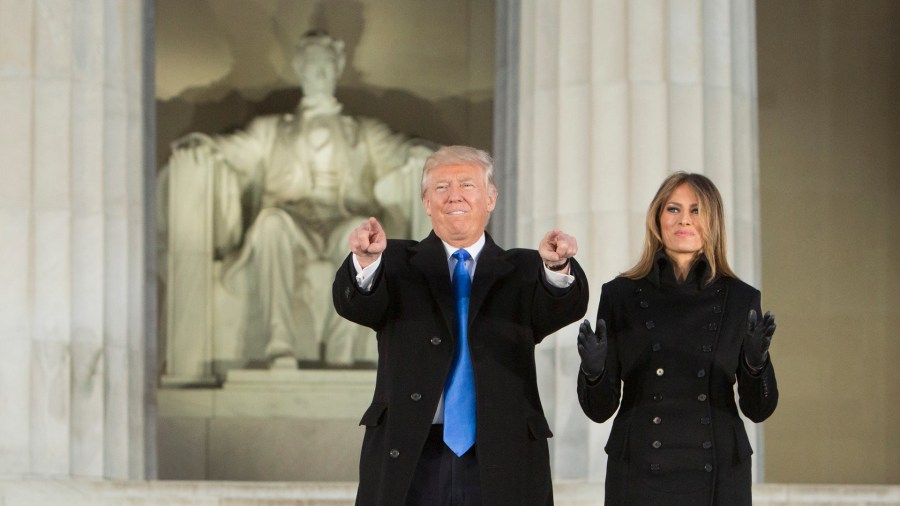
(266, 425)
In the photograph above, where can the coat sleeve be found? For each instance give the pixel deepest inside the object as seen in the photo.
(600, 399)
(556, 307)
(758, 393)
(367, 309)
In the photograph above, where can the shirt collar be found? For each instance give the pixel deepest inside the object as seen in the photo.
(474, 250)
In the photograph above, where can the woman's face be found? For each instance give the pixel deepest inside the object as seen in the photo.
(681, 224)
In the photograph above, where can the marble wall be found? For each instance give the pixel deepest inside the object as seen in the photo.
(829, 118)
(266, 425)
(72, 329)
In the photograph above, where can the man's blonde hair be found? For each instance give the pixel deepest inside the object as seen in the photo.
(460, 155)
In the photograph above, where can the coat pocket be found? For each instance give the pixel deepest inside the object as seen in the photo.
(373, 416)
(617, 444)
(742, 448)
(538, 428)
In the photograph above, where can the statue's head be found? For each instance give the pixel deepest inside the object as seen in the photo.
(319, 62)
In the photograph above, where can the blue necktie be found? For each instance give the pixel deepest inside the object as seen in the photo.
(459, 392)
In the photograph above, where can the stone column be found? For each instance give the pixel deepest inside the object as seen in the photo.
(614, 95)
(72, 256)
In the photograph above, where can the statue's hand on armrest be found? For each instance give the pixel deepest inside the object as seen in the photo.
(192, 140)
(197, 168)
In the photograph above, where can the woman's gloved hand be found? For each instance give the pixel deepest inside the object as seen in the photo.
(592, 348)
(757, 340)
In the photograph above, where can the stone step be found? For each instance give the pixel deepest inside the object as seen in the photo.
(73, 492)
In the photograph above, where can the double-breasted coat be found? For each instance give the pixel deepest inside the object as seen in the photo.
(411, 308)
(674, 356)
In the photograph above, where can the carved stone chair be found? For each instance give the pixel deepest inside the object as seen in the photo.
(210, 326)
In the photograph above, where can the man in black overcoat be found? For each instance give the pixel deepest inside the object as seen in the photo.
(402, 290)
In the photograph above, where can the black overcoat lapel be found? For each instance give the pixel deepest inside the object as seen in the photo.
(430, 258)
(490, 268)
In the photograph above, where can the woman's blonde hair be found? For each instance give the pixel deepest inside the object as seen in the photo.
(711, 224)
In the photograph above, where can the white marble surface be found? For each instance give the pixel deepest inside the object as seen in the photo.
(305, 425)
(15, 26)
(298, 394)
(193, 493)
(72, 242)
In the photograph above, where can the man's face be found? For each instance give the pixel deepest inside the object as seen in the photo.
(317, 71)
(459, 203)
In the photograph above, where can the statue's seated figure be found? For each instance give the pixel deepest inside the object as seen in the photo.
(282, 196)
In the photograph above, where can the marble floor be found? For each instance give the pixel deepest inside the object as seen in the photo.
(207, 493)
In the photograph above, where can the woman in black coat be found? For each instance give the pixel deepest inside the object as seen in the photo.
(673, 335)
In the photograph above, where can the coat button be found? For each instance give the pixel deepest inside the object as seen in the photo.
(707, 445)
(650, 325)
(644, 304)
(657, 420)
(637, 290)
(708, 468)
(435, 340)
(660, 371)
(657, 397)
(701, 373)
(656, 347)
(701, 397)
(394, 453)
(717, 309)
(416, 396)
(712, 326)
(706, 348)
(657, 444)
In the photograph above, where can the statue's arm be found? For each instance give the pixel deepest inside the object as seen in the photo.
(229, 168)
(246, 151)
(389, 151)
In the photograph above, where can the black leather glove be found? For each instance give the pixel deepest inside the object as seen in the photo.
(592, 348)
(757, 340)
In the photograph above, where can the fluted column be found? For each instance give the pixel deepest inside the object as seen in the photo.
(614, 95)
(72, 280)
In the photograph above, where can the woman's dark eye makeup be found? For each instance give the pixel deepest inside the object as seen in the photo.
(675, 209)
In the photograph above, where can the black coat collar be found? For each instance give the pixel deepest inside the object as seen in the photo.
(663, 273)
